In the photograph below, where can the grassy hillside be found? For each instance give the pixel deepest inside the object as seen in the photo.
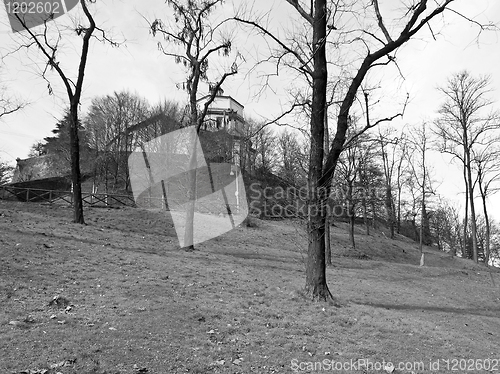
(118, 296)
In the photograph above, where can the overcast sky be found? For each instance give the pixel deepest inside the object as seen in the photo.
(139, 67)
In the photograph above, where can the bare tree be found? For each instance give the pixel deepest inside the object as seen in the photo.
(5, 172)
(389, 163)
(288, 151)
(47, 42)
(37, 149)
(485, 163)
(328, 218)
(112, 133)
(495, 244)
(465, 123)
(192, 40)
(351, 177)
(445, 223)
(417, 159)
(349, 165)
(324, 23)
(8, 105)
(264, 143)
(370, 180)
(402, 170)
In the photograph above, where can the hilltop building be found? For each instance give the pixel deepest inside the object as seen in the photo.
(226, 114)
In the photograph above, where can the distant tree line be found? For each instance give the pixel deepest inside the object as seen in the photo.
(386, 178)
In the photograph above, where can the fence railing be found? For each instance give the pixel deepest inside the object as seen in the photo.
(28, 194)
(63, 197)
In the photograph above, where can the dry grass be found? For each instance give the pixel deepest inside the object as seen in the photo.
(136, 303)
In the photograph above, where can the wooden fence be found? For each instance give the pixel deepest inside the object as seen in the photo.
(64, 197)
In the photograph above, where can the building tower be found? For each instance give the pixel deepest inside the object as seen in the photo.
(226, 114)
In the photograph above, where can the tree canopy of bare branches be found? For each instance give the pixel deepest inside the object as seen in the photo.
(8, 104)
(467, 124)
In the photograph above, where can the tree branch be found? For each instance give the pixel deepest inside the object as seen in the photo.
(213, 93)
(369, 125)
(50, 57)
(5, 111)
(302, 12)
(263, 30)
(381, 22)
(85, 50)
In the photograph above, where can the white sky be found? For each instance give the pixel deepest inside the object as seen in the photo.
(139, 67)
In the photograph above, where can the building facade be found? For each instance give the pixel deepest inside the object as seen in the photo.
(226, 114)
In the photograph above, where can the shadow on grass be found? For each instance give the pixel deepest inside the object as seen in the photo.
(284, 262)
(485, 312)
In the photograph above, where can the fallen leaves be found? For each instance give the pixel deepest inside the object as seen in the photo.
(59, 302)
(138, 369)
(237, 361)
(51, 368)
(17, 323)
(23, 323)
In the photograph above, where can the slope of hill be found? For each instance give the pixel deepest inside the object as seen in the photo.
(118, 296)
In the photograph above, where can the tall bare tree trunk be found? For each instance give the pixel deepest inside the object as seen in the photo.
(465, 239)
(472, 207)
(389, 204)
(421, 143)
(365, 217)
(398, 181)
(75, 165)
(488, 230)
(352, 215)
(423, 214)
(465, 251)
(191, 175)
(390, 209)
(483, 190)
(328, 246)
(374, 215)
(421, 241)
(316, 286)
(191, 196)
